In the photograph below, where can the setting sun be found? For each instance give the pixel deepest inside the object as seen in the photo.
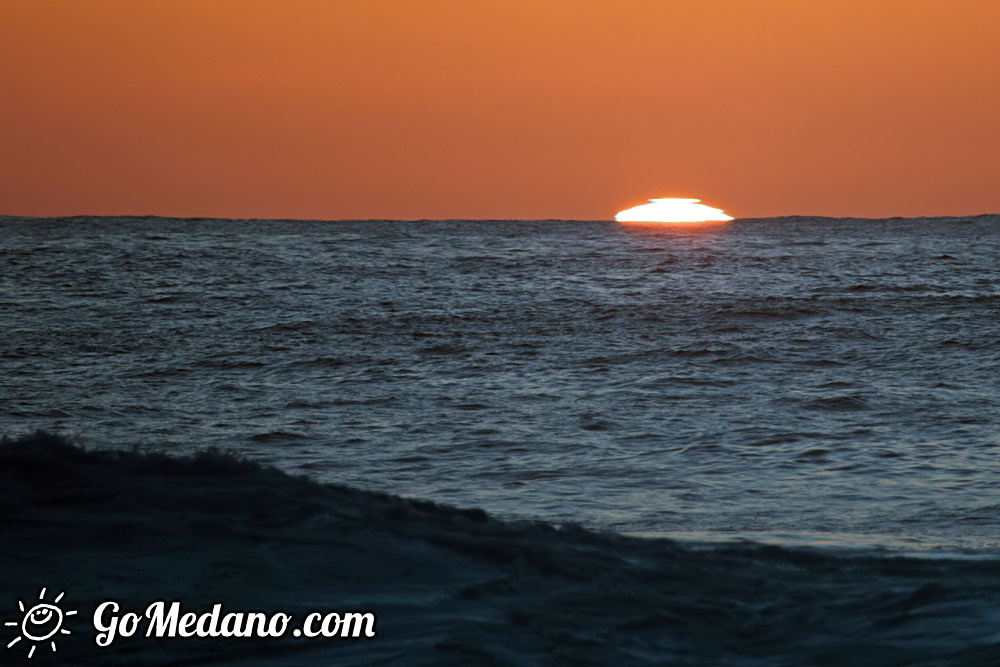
(672, 210)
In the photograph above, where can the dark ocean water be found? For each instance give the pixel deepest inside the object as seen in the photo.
(807, 407)
(797, 380)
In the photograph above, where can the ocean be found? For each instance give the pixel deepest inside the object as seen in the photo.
(799, 407)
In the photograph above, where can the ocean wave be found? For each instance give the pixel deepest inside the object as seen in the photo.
(453, 586)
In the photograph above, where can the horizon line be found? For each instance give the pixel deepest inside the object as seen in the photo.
(488, 219)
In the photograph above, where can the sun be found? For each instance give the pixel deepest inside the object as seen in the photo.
(672, 210)
(40, 623)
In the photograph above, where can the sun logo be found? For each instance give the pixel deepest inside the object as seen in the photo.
(40, 623)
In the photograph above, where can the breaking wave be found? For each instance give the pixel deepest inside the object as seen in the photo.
(454, 586)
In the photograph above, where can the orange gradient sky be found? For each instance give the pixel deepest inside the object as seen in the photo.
(498, 109)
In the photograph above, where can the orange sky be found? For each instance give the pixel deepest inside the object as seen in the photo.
(498, 109)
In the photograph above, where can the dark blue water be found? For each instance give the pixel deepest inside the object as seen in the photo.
(795, 380)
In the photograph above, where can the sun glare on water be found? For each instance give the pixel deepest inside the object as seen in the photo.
(672, 210)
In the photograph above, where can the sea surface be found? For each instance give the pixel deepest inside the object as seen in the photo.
(816, 382)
